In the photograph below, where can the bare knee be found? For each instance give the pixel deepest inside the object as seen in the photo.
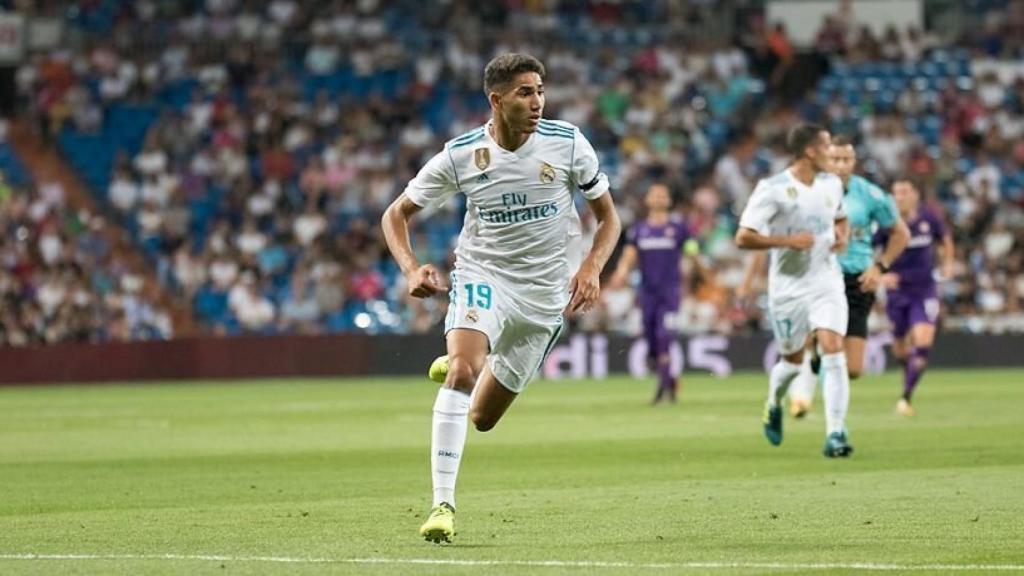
(831, 348)
(794, 358)
(462, 375)
(481, 420)
(830, 342)
(854, 365)
(899, 352)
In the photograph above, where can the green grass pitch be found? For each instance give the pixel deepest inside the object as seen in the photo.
(304, 477)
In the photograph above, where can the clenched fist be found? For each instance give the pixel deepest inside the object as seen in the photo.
(425, 282)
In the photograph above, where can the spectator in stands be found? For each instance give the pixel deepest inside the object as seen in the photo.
(57, 276)
(730, 174)
(255, 312)
(781, 48)
(281, 129)
(300, 311)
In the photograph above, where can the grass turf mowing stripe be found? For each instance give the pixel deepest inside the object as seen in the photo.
(796, 566)
(582, 471)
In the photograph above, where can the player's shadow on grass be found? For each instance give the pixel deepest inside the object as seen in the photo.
(460, 545)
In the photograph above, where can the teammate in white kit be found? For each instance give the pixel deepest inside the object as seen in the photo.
(514, 277)
(798, 214)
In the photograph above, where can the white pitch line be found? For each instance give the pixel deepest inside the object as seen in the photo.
(795, 566)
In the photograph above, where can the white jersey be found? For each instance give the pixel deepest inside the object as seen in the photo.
(520, 219)
(782, 206)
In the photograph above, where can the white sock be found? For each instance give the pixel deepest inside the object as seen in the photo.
(806, 384)
(447, 440)
(779, 379)
(837, 391)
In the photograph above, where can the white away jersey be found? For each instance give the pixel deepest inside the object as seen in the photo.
(520, 219)
(782, 206)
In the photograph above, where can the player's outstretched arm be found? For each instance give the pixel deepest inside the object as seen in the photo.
(755, 269)
(423, 281)
(750, 239)
(842, 233)
(586, 284)
(947, 253)
(899, 235)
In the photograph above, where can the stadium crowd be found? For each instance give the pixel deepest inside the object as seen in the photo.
(279, 131)
(63, 279)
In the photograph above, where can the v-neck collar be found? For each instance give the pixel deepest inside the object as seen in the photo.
(518, 152)
(795, 180)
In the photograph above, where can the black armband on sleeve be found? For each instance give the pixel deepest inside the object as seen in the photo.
(592, 183)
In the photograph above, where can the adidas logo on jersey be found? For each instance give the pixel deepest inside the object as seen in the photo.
(482, 178)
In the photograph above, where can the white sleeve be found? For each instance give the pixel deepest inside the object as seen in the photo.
(435, 183)
(586, 173)
(760, 210)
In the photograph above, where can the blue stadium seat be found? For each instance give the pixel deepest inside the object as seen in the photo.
(896, 84)
(887, 70)
(964, 164)
(178, 94)
(210, 304)
(886, 101)
(14, 171)
(839, 69)
(339, 321)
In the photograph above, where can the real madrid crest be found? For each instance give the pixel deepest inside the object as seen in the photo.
(482, 157)
(791, 192)
(472, 316)
(547, 173)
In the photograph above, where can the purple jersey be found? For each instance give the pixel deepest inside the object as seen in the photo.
(914, 265)
(658, 251)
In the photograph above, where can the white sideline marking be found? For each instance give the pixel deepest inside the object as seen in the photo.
(534, 563)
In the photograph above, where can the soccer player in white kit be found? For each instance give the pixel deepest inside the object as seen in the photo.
(799, 216)
(514, 276)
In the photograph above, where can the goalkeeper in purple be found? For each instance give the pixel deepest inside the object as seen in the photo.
(654, 245)
(912, 300)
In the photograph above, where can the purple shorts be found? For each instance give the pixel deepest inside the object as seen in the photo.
(907, 310)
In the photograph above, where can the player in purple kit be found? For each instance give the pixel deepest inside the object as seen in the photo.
(655, 244)
(913, 304)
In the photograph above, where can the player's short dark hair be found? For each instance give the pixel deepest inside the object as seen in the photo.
(906, 180)
(801, 137)
(842, 140)
(503, 68)
(665, 185)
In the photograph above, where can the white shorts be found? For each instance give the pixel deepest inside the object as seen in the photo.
(794, 318)
(520, 337)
